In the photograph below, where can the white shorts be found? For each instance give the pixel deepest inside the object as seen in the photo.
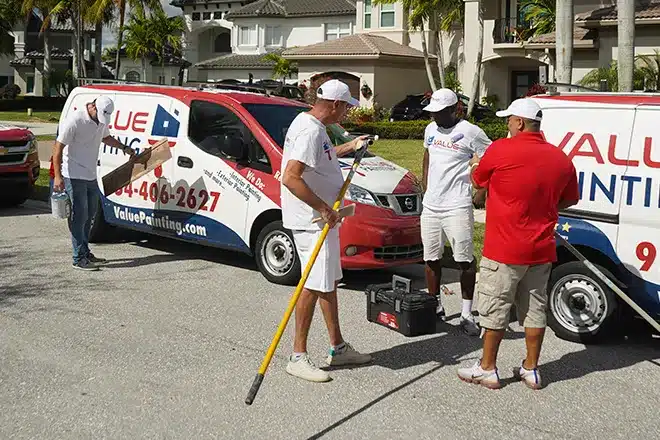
(456, 225)
(326, 270)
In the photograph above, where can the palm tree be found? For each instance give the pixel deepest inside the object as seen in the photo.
(474, 91)
(140, 40)
(9, 16)
(169, 29)
(626, 44)
(650, 70)
(100, 13)
(611, 75)
(564, 41)
(45, 7)
(138, 7)
(541, 14)
(282, 68)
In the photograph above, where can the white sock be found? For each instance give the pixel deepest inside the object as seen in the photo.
(467, 308)
(296, 356)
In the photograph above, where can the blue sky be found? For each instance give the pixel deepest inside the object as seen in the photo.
(109, 33)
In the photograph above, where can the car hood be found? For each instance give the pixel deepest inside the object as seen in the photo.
(14, 133)
(381, 176)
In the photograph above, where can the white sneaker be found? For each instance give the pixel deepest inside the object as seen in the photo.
(470, 326)
(305, 369)
(475, 374)
(531, 378)
(347, 356)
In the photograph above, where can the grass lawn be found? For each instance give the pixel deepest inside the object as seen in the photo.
(42, 186)
(46, 137)
(36, 116)
(409, 153)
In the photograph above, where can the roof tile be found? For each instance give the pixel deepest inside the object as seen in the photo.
(644, 9)
(356, 45)
(579, 34)
(295, 8)
(236, 61)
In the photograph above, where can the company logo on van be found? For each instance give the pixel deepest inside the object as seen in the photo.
(165, 125)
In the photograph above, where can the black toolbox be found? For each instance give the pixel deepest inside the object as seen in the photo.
(395, 306)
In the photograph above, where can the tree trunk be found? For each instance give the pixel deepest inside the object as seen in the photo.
(564, 45)
(439, 49)
(476, 84)
(425, 51)
(47, 59)
(144, 69)
(76, 50)
(120, 36)
(98, 48)
(81, 36)
(626, 44)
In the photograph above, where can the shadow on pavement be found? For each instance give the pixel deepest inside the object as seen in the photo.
(176, 250)
(23, 210)
(373, 402)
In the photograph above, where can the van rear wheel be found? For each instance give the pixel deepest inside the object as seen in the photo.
(581, 308)
(276, 255)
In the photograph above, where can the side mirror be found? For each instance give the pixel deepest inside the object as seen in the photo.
(234, 148)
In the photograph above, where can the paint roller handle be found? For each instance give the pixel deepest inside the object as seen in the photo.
(254, 388)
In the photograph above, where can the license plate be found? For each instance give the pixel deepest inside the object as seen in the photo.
(3, 150)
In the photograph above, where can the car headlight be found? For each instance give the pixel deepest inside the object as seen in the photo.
(359, 195)
(33, 146)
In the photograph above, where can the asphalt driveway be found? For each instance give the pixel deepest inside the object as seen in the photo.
(165, 343)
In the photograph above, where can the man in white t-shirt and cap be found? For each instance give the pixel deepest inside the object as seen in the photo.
(311, 182)
(75, 157)
(447, 213)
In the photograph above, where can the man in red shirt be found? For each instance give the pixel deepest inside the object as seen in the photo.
(528, 182)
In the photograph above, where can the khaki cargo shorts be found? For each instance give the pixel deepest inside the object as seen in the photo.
(501, 285)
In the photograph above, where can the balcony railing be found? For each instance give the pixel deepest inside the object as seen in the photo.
(511, 30)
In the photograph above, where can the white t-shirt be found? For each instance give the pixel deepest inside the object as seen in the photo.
(82, 138)
(450, 150)
(307, 141)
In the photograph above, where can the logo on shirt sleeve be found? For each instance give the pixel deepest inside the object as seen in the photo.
(326, 149)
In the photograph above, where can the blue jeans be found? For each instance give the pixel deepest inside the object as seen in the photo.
(84, 196)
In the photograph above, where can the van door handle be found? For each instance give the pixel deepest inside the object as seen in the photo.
(184, 162)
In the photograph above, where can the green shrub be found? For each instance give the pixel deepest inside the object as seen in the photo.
(494, 128)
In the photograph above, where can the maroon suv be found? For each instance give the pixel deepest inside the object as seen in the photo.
(19, 164)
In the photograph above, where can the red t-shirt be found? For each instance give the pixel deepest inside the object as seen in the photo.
(52, 169)
(526, 178)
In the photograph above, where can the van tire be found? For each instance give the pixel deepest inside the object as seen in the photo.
(276, 256)
(587, 292)
(100, 230)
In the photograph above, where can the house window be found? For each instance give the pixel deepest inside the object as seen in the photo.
(247, 36)
(29, 83)
(217, 15)
(387, 15)
(133, 76)
(273, 36)
(222, 43)
(196, 16)
(334, 31)
(207, 15)
(367, 14)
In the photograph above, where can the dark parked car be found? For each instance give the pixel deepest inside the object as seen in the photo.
(411, 108)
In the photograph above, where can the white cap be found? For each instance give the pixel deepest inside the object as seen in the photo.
(440, 100)
(335, 90)
(525, 108)
(104, 109)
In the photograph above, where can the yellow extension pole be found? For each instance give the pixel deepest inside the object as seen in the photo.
(294, 299)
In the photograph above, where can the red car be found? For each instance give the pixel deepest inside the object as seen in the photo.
(19, 164)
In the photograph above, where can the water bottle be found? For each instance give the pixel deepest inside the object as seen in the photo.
(60, 204)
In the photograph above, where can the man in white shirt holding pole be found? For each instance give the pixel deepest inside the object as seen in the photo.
(447, 212)
(311, 181)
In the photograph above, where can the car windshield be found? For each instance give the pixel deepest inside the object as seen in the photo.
(276, 119)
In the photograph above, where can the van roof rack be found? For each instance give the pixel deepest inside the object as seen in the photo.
(190, 85)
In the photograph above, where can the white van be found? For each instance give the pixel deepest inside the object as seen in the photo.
(614, 142)
(222, 185)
